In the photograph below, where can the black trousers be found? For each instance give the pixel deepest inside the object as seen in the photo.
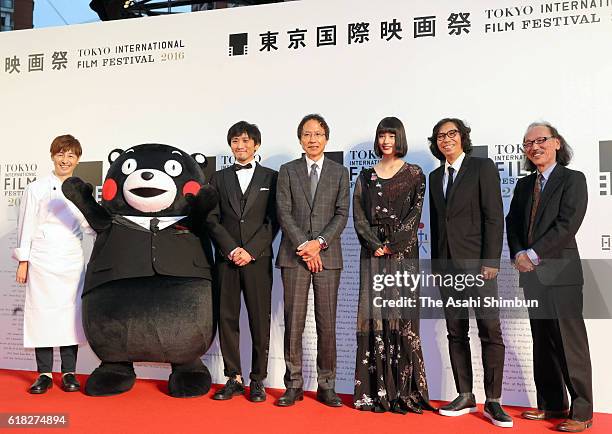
(254, 281)
(489, 332)
(44, 358)
(561, 357)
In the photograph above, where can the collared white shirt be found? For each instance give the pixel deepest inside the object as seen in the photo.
(145, 222)
(456, 165)
(310, 162)
(245, 175)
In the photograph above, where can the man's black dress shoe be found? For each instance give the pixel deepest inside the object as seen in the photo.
(463, 404)
(329, 397)
(496, 414)
(70, 383)
(232, 388)
(258, 392)
(290, 396)
(41, 385)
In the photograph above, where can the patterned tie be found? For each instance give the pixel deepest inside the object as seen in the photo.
(314, 180)
(537, 190)
(449, 184)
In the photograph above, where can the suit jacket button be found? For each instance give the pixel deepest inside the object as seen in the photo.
(241, 221)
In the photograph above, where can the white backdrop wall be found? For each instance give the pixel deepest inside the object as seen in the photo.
(551, 61)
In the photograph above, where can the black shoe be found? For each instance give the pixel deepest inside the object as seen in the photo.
(329, 397)
(70, 383)
(41, 385)
(258, 392)
(496, 414)
(463, 404)
(232, 388)
(290, 396)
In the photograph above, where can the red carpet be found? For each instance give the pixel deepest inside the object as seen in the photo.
(147, 409)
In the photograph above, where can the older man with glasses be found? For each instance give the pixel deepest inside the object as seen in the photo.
(546, 212)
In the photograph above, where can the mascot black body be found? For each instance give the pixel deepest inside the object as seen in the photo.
(147, 293)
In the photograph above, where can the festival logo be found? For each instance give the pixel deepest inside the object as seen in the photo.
(15, 178)
(238, 44)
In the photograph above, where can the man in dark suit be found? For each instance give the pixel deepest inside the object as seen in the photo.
(313, 202)
(243, 226)
(467, 225)
(545, 214)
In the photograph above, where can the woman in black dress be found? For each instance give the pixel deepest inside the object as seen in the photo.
(387, 205)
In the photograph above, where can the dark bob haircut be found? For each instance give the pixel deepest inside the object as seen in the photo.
(464, 131)
(394, 126)
(564, 154)
(312, 117)
(239, 128)
(66, 143)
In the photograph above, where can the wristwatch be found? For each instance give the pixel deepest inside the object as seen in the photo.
(322, 243)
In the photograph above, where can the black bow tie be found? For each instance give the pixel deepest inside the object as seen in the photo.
(238, 167)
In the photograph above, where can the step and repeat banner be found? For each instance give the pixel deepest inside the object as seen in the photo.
(185, 79)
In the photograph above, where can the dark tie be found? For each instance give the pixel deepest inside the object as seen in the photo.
(537, 190)
(238, 167)
(314, 180)
(449, 184)
(154, 224)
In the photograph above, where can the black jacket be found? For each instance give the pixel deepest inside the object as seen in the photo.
(562, 207)
(252, 226)
(127, 250)
(471, 222)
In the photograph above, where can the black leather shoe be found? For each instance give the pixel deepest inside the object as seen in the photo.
(257, 392)
(232, 388)
(290, 396)
(41, 385)
(329, 397)
(70, 383)
(496, 414)
(460, 405)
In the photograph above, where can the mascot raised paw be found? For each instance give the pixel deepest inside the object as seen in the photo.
(147, 294)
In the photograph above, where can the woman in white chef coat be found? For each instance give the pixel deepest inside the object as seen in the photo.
(51, 264)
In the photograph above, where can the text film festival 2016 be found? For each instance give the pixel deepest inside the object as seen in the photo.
(183, 80)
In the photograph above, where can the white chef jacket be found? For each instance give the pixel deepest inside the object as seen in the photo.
(50, 231)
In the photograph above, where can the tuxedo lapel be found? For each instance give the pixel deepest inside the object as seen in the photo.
(232, 187)
(302, 172)
(256, 182)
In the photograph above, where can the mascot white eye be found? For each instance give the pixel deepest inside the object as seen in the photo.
(173, 168)
(128, 166)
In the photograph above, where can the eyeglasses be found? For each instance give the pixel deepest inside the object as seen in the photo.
(308, 135)
(450, 134)
(527, 144)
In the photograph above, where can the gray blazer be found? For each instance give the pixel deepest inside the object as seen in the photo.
(301, 220)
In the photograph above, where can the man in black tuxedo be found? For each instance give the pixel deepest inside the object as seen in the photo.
(313, 204)
(243, 226)
(467, 226)
(545, 214)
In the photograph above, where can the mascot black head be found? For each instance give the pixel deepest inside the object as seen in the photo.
(152, 179)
